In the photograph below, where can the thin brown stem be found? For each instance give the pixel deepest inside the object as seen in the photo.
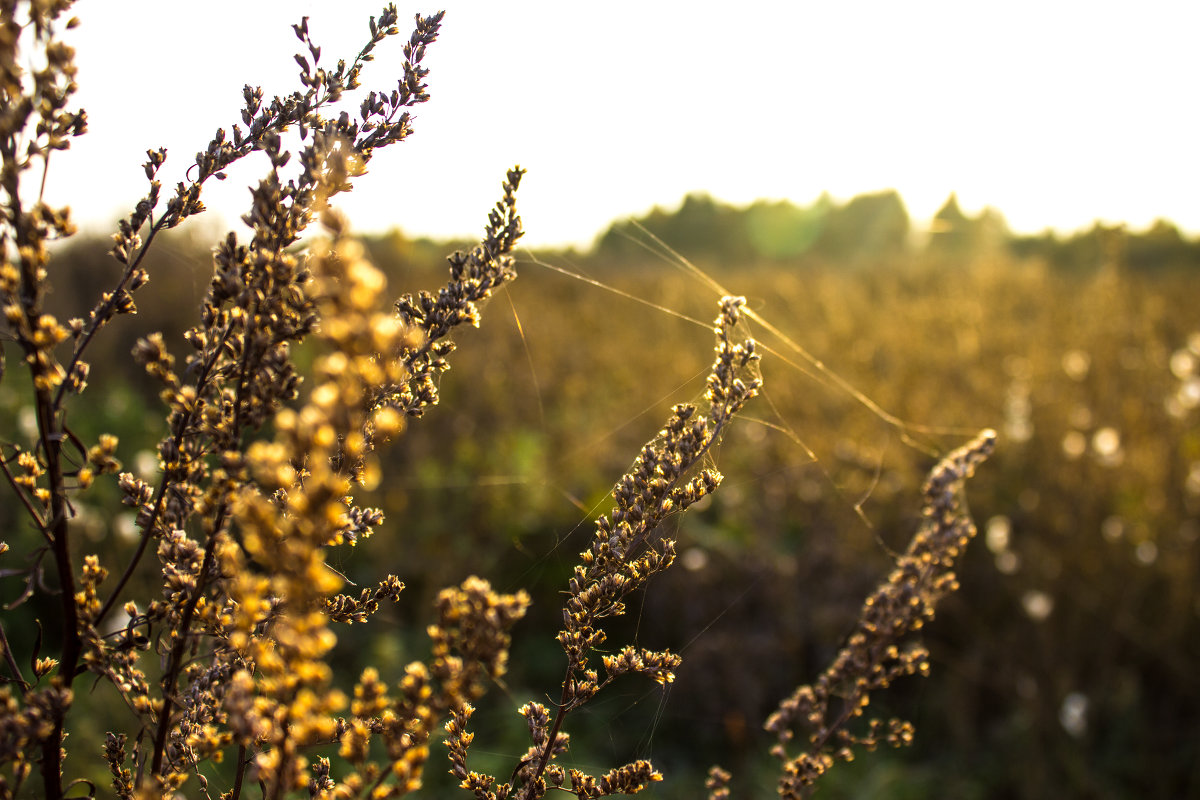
(183, 636)
(103, 313)
(564, 707)
(161, 491)
(24, 498)
(11, 660)
(58, 530)
(239, 774)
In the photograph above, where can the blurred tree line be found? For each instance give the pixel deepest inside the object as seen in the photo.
(873, 227)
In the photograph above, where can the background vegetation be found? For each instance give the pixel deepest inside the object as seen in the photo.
(1066, 664)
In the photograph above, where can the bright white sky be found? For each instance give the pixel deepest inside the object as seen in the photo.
(1055, 113)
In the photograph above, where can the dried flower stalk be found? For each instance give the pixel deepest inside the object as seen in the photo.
(876, 653)
(624, 554)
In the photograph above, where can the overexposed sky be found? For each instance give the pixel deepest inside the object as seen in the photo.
(1055, 113)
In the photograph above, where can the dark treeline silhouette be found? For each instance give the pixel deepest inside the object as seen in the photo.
(873, 227)
(869, 229)
(867, 226)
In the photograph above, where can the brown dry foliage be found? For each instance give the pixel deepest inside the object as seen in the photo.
(257, 471)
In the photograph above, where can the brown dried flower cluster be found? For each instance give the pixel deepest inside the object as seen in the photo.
(239, 522)
(876, 653)
(624, 554)
(227, 660)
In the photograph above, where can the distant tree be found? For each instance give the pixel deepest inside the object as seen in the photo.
(1159, 247)
(950, 232)
(701, 228)
(869, 225)
(703, 225)
(619, 242)
(1101, 245)
(782, 230)
(990, 231)
(955, 233)
(1044, 245)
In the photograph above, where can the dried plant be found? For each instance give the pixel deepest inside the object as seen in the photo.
(258, 469)
(666, 478)
(876, 652)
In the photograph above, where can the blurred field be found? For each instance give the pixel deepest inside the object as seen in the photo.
(1065, 667)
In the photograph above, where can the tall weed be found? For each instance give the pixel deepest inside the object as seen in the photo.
(217, 625)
